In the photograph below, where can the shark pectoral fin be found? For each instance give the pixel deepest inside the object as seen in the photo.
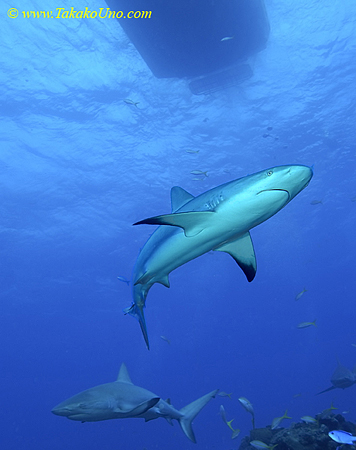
(142, 407)
(137, 312)
(243, 253)
(327, 390)
(192, 222)
(179, 197)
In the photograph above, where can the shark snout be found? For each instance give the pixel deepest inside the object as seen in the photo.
(297, 178)
(61, 411)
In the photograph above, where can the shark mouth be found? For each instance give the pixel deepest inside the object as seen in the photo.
(282, 190)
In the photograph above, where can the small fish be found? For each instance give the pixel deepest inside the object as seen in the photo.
(199, 172)
(165, 339)
(235, 433)
(297, 395)
(326, 412)
(332, 407)
(269, 128)
(223, 416)
(197, 179)
(249, 408)
(342, 437)
(354, 345)
(222, 413)
(124, 280)
(316, 202)
(262, 445)
(353, 199)
(227, 38)
(131, 102)
(276, 422)
(224, 394)
(192, 151)
(306, 324)
(246, 404)
(345, 412)
(308, 419)
(297, 297)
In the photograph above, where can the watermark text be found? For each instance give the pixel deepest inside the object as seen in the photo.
(63, 13)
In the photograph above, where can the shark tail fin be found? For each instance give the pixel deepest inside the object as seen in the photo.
(137, 312)
(190, 411)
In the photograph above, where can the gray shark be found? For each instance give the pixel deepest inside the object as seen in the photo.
(122, 399)
(219, 219)
(341, 378)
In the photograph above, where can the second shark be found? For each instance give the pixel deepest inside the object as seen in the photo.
(219, 219)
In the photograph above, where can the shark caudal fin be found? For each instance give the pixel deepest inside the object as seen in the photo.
(137, 312)
(190, 411)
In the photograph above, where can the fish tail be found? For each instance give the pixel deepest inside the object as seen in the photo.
(190, 411)
(137, 312)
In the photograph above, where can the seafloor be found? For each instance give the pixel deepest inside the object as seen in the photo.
(303, 436)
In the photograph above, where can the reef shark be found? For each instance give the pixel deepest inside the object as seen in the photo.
(122, 399)
(341, 378)
(219, 219)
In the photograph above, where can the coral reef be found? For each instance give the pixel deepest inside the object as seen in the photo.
(302, 436)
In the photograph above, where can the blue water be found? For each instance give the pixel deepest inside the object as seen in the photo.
(78, 166)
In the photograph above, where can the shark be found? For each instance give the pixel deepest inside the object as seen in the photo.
(342, 378)
(219, 219)
(122, 399)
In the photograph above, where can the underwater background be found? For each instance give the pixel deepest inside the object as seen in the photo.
(79, 165)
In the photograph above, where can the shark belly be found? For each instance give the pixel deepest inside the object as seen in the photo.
(162, 256)
(169, 247)
(118, 400)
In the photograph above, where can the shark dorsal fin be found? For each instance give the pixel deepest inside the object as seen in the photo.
(179, 197)
(124, 376)
(168, 401)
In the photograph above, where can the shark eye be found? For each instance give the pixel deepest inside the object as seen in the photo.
(269, 173)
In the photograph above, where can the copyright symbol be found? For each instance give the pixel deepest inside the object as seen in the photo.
(12, 12)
